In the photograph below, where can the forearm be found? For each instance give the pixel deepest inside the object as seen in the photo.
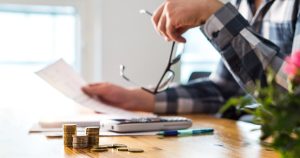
(201, 97)
(247, 55)
(142, 100)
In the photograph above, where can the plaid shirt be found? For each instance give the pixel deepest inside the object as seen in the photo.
(249, 44)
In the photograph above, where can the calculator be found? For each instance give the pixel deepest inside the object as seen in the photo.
(147, 124)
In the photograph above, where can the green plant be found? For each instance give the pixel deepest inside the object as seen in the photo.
(278, 113)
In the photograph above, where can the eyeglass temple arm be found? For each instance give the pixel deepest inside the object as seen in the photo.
(143, 11)
(171, 53)
(122, 73)
(167, 68)
(122, 70)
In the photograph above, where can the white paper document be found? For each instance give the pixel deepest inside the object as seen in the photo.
(54, 129)
(61, 76)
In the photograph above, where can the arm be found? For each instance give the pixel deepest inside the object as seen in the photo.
(246, 55)
(134, 99)
(205, 95)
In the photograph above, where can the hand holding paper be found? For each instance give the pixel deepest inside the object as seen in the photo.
(61, 76)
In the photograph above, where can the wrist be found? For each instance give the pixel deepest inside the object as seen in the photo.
(213, 7)
(143, 101)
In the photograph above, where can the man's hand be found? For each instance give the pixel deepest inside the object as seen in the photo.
(134, 99)
(174, 17)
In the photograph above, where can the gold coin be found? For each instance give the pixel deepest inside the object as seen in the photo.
(95, 128)
(100, 147)
(122, 149)
(92, 130)
(109, 145)
(69, 128)
(69, 125)
(119, 145)
(135, 150)
(80, 146)
(99, 150)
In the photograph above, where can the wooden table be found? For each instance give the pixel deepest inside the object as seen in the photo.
(21, 105)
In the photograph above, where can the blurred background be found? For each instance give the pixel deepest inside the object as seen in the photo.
(95, 37)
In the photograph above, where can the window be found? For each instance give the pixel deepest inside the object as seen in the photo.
(199, 55)
(33, 36)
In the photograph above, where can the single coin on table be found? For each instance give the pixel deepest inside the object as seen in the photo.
(135, 150)
(108, 145)
(119, 145)
(99, 149)
(122, 149)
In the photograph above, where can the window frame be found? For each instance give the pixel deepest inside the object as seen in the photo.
(88, 57)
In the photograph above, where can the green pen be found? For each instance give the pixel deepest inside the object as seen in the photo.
(186, 132)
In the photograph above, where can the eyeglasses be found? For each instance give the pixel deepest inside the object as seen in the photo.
(168, 75)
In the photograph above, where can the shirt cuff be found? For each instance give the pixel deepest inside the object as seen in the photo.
(160, 103)
(224, 25)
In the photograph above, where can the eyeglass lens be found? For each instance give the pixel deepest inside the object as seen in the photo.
(166, 80)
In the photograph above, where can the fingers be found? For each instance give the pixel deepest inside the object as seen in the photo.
(164, 24)
(160, 21)
(94, 89)
(162, 27)
(157, 15)
(173, 33)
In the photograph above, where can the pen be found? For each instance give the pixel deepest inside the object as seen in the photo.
(186, 132)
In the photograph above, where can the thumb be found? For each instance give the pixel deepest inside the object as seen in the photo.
(178, 34)
(98, 89)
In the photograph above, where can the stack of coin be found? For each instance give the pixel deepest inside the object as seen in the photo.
(69, 131)
(80, 141)
(93, 135)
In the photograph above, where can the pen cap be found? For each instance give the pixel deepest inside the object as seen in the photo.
(185, 132)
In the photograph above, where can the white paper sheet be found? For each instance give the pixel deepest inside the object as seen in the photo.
(57, 132)
(61, 76)
(52, 127)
